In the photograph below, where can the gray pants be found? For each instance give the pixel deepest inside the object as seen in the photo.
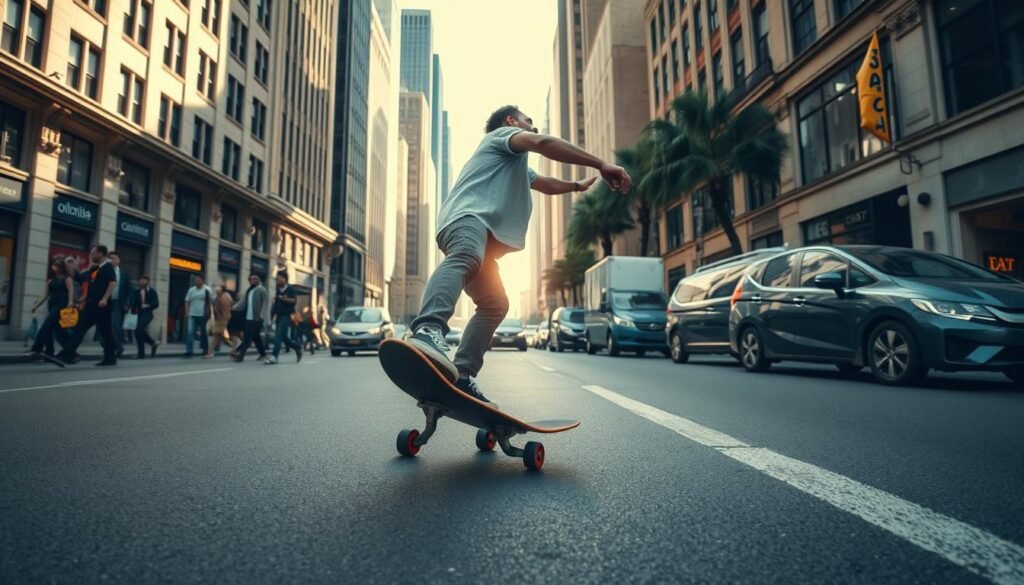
(471, 265)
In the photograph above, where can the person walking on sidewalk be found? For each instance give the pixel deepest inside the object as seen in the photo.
(198, 307)
(484, 217)
(96, 312)
(255, 306)
(144, 302)
(118, 302)
(221, 315)
(59, 295)
(284, 307)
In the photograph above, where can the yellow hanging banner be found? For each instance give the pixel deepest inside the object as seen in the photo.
(874, 112)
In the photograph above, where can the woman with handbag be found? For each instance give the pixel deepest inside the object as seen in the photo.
(222, 304)
(59, 295)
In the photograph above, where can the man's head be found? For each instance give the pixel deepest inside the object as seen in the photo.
(197, 280)
(143, 281)
(509, 116)
(98, 253)
(282, 279)
(254, 279)
(115, 258)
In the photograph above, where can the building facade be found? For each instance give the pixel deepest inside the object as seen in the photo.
(952, 183)
(380, 146)
(417, 52)
(419, 250)
(148, 127)
(396, 283)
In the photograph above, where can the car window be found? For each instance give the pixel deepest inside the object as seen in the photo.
(725, 282)
(815, 263)
(693, 288)
(779, 271)
(574, 316)
(859, 278)
(511, 323)
(360, 316)
(918, 264)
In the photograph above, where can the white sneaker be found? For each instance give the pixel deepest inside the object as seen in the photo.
(270, 361)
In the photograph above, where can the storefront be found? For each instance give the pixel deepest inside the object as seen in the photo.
(73, 229)
(12, 205)
(883, 220)
(134, 240)
(188, 258)
(260, 267)
(229, 261)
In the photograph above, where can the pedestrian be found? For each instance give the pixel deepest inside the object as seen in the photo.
(100, 281)
(306, 329)
(71, 263)
(284, 307)
(118, 302)
(59, 294)
(255, 305)
(221, 315)
(144, 302)
(198, 308)
(484, 217)
(322, 318)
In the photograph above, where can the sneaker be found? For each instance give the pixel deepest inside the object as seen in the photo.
(298, 354)
(430, 341)
(270, 361)
(152, 351)
(468, 385)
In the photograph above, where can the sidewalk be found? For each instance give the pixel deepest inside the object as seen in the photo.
(13, 352)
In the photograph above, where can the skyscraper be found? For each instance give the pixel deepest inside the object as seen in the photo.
(383, 133)
(446, 156)
(417, 51)
(437, 124)
(414, 123)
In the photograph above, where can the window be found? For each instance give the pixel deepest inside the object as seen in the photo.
(694, 288)
(686, 46)
(702, 82)
(654, 37)
(730, 4)
(829, 123)
(845, 7)
(724, 282)
(760, 194)
(255, 174)
(805, 31)
(174, 50)
(772, 240)
(815, 263)
(698, 28)
(12, 131)
(675, 275)
(674, 225)
(664, 77)
(232, 158)
(262, 63)
(675, 61)
(671, 13)
(779, 271)
(982, 49)
(761, 51)
(263, 13)
(202, 141)
(134, 186)
(712, 16)
(661, 23)
(10, 37)
(74, 165)
(97, 6)
(136, 21)
(236, 98)
(705, 219)
(34, 37)
(239, 39)
(210, 16)
(188, 205)
(207, 80)
(169, 125)
(259, 119)
(76, 49)
(656, 93)
(229, 224)
(739, 71)
(258, 241)
(716, 70)
(129, 101)
(10, 40)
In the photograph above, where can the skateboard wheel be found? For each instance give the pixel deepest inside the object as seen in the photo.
(485, 440)
(406, 442)
(533, 455)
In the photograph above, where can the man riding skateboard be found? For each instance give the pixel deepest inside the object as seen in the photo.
(483, 218)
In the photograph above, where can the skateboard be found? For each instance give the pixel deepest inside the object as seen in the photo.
(55, 361)
(417, 376)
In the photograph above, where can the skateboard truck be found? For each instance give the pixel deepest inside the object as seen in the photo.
(433, 413)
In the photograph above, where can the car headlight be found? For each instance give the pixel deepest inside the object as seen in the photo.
(962, 311)
(623, 322)
(335, 331)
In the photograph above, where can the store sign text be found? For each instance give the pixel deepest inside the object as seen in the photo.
(1000, 263)
(184, 264)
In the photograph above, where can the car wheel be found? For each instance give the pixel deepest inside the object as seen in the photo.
(351, 352)
(752, 351)
(893, 354)
(849, 369)
(1016, 374)
(336, 352)
(676, 350)
(613, 348)
(591, 348)
(641, 352)
(522, 347)
(558, 347)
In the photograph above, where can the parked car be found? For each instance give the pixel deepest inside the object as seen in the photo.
(624, 304)
(898, 311)
(541, 341)
(510, 333)
(531, 335)
(360, 329)
(698, 310)
(565, 330)
(454, 336)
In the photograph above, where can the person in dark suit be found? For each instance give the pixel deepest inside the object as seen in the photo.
(143, 302)
(120, 302)
(101, 281)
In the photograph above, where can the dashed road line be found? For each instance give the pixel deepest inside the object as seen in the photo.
(114, 380)
(974, 549)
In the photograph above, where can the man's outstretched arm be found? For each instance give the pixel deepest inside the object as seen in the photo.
(553, 186)
(559, 150)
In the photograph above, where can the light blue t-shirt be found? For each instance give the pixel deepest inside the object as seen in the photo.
(494, 186)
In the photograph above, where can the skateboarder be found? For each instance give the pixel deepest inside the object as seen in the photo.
(483, 218)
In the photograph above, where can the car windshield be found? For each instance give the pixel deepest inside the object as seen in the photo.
(638, 301)
(510, 323)
(573, 316)
(360, 316)
(916, 264)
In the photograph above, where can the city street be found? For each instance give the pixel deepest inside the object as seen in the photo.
(208, 471)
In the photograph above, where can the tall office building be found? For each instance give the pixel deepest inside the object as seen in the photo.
(437, 124)
(417, 52)
(380, 145)
(446, 156)
(396, 284)
(414, 122)
(188, 136)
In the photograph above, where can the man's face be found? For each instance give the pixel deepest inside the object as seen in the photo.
(143, 282)
(115, 260)
(198, 281)
(521, 120)
(254, 280)
(95, 256)
(280, 282)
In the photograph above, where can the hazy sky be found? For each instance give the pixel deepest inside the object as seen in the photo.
(493, 52)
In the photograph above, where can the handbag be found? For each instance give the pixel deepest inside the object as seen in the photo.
(68, 317)
(131, 322)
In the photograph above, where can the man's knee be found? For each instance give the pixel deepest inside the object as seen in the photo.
(467, 259)
(495, 305)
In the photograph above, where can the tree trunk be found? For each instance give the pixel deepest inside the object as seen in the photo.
(561, 293)
(722, 211)
(643, 217)
(606, 244)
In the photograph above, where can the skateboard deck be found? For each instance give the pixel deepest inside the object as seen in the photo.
(55, 361)
(417, 376)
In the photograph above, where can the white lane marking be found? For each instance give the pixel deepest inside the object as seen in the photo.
(114, 380)
(976, 550)
(545, 368)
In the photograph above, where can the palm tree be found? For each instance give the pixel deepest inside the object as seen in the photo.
(555, 280)
(598, 216)
(577, 260)
(701, 144)
(648, 197)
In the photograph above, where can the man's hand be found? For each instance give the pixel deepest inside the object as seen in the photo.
(585, 183)
(616, 177)
(103, 303)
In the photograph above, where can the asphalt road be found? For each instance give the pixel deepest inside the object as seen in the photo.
(199, 471)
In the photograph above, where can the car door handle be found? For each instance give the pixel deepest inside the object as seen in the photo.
(799, 301)
(710, 310)
(755, 298)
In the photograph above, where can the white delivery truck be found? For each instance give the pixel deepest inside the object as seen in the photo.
(624, 303)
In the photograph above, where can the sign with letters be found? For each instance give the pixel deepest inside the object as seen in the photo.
(229, 258)
(134, 229)
(874, 113)
(12, 193)
(76, 212)
(1002, 263)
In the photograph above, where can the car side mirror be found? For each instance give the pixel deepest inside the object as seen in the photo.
(830, 281)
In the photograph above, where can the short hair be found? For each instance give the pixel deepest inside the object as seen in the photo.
(143, 277)
(283, 275)
(114, 253)
(100, 248)
(497, 119)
